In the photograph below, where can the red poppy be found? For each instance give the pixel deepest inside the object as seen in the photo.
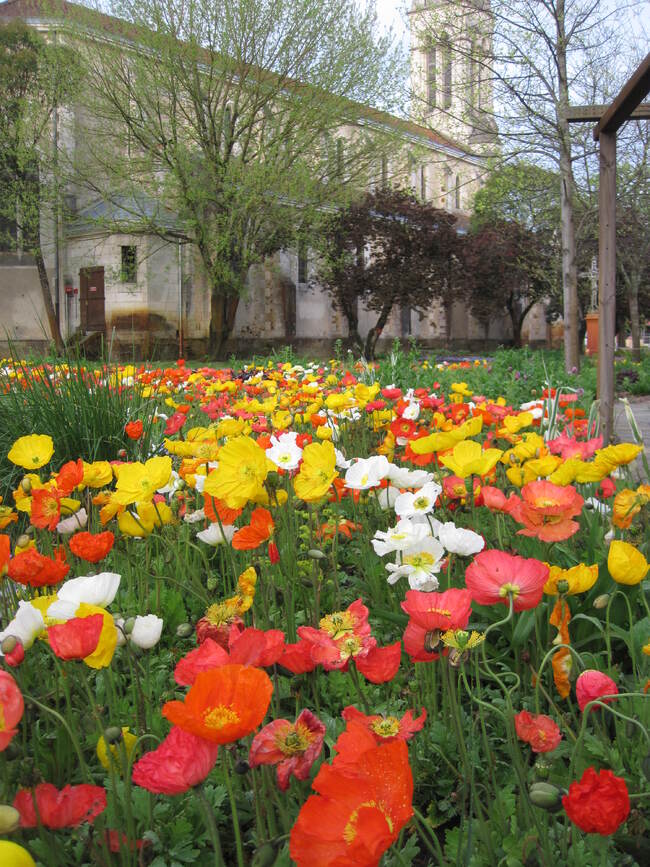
(592, 685)
(181, 761)
(494, 576)
(442, 611)
(34, 569)
(76, 638)
(92, 547)
(404, 428)
(63, 808)
(46, 508)
(540, 731)
(293, 747)
(224, 704)
(133, 429)
(496, 501)
(387, 728)
(259, 530)
(599, 803)
(255, 647)
(11, 708)
(174, 423)
(297, 657)
(380, 664)
(208, 655)
(70, 476)
(117, 841)
(359, 811)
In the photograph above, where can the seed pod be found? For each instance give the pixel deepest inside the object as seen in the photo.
(601, 601)
(184, 630)
(9, 644)
(242, 767)
(9, 819)
(113, 735)
(26, 485)
(22, 541)
(128, 625)
(264, 856)
(315, 554)
(545, 795)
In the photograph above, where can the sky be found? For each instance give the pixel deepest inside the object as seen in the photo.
(389, 14)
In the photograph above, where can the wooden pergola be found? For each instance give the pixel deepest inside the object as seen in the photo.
(609, 119)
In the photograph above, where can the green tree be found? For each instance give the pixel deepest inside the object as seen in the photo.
(246, 117)
(35, 78)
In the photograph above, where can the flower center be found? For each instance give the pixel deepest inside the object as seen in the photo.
(337, 624)
(350, 647)
(2, 719)
(421, 503)
(421, 560)
(350, 830)
(508, 588)
(385, 727)
(219, 716)
(296, 741)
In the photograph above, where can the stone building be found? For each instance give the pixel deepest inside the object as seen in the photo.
(147, 294)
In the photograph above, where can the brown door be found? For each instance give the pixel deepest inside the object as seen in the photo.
(91, 285)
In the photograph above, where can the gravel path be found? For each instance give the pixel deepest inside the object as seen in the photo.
(641, 409)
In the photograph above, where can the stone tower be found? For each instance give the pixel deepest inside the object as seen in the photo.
(450, 78)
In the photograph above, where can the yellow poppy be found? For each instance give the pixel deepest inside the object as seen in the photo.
(103, 653)
(317, 471)
(137, 483)
(113, 754)
(578, 579)
(626, 564)
(468, 458)
(98, 474)
(242, 469)
(31, 452)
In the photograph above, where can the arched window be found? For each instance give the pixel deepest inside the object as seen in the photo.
(431, 76)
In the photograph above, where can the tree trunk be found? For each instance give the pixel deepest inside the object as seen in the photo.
(449, 305)
(223, 309)
(375, 332)
(567, 186)
(44, 280)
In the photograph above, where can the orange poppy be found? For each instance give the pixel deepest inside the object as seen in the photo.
(36, 570)
(217, 511)
(5, 554)
(259, 530)
(223, 704)
(46, 508)
(92, 547)
(360, 810)
(69, 477)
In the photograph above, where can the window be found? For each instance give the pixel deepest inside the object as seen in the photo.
(423, 183)
(384, 171)
(431, 76)
(129, 265)
(303, 262)
(446, 73)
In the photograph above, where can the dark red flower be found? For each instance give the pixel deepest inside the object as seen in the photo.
(64, 808)
(181, 761)
(598, 803)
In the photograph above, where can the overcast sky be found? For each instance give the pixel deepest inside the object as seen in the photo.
(389, 13)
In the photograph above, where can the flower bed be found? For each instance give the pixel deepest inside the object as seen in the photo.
(309, 617)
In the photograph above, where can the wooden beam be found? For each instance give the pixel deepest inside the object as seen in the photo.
(635, 89)
(607, 282)
(593, 113)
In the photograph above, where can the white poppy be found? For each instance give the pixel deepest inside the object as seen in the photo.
(285, 452)
(194, 517)
(146, 631)
(419, 503)
(400, 537)
(419, 563)
(214, 535)
(26, 625)
(402, 477)
(386, 497)
(98, 589)
(412, 411)
(460, 541)
(73, 523)
(367, 473)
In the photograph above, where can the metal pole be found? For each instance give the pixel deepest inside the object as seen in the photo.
(180, 299)
(607, 282)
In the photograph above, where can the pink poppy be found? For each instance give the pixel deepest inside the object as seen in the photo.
(493, 576)
(293, 747)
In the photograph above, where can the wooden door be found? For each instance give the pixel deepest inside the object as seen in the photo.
(91, 289)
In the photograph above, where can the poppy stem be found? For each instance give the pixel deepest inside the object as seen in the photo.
(211, 826)
(357, 686)
(233, 810)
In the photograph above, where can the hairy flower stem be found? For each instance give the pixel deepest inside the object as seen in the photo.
(233, 809)
(211, 826)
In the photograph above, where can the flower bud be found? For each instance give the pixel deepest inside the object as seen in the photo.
(128, 625)
(211, 583)
(601, 601)
(26, 485)
(113, 735)
(315, 554)
(264, 856)
(8, 644)
(9, 819)
(545, 795)
(22, 541)
(242, 767)
(542, 768)
(184, 630)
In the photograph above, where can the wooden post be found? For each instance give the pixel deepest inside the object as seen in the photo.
(607, 282)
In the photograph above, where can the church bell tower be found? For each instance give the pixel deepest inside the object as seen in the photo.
(451, 87)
